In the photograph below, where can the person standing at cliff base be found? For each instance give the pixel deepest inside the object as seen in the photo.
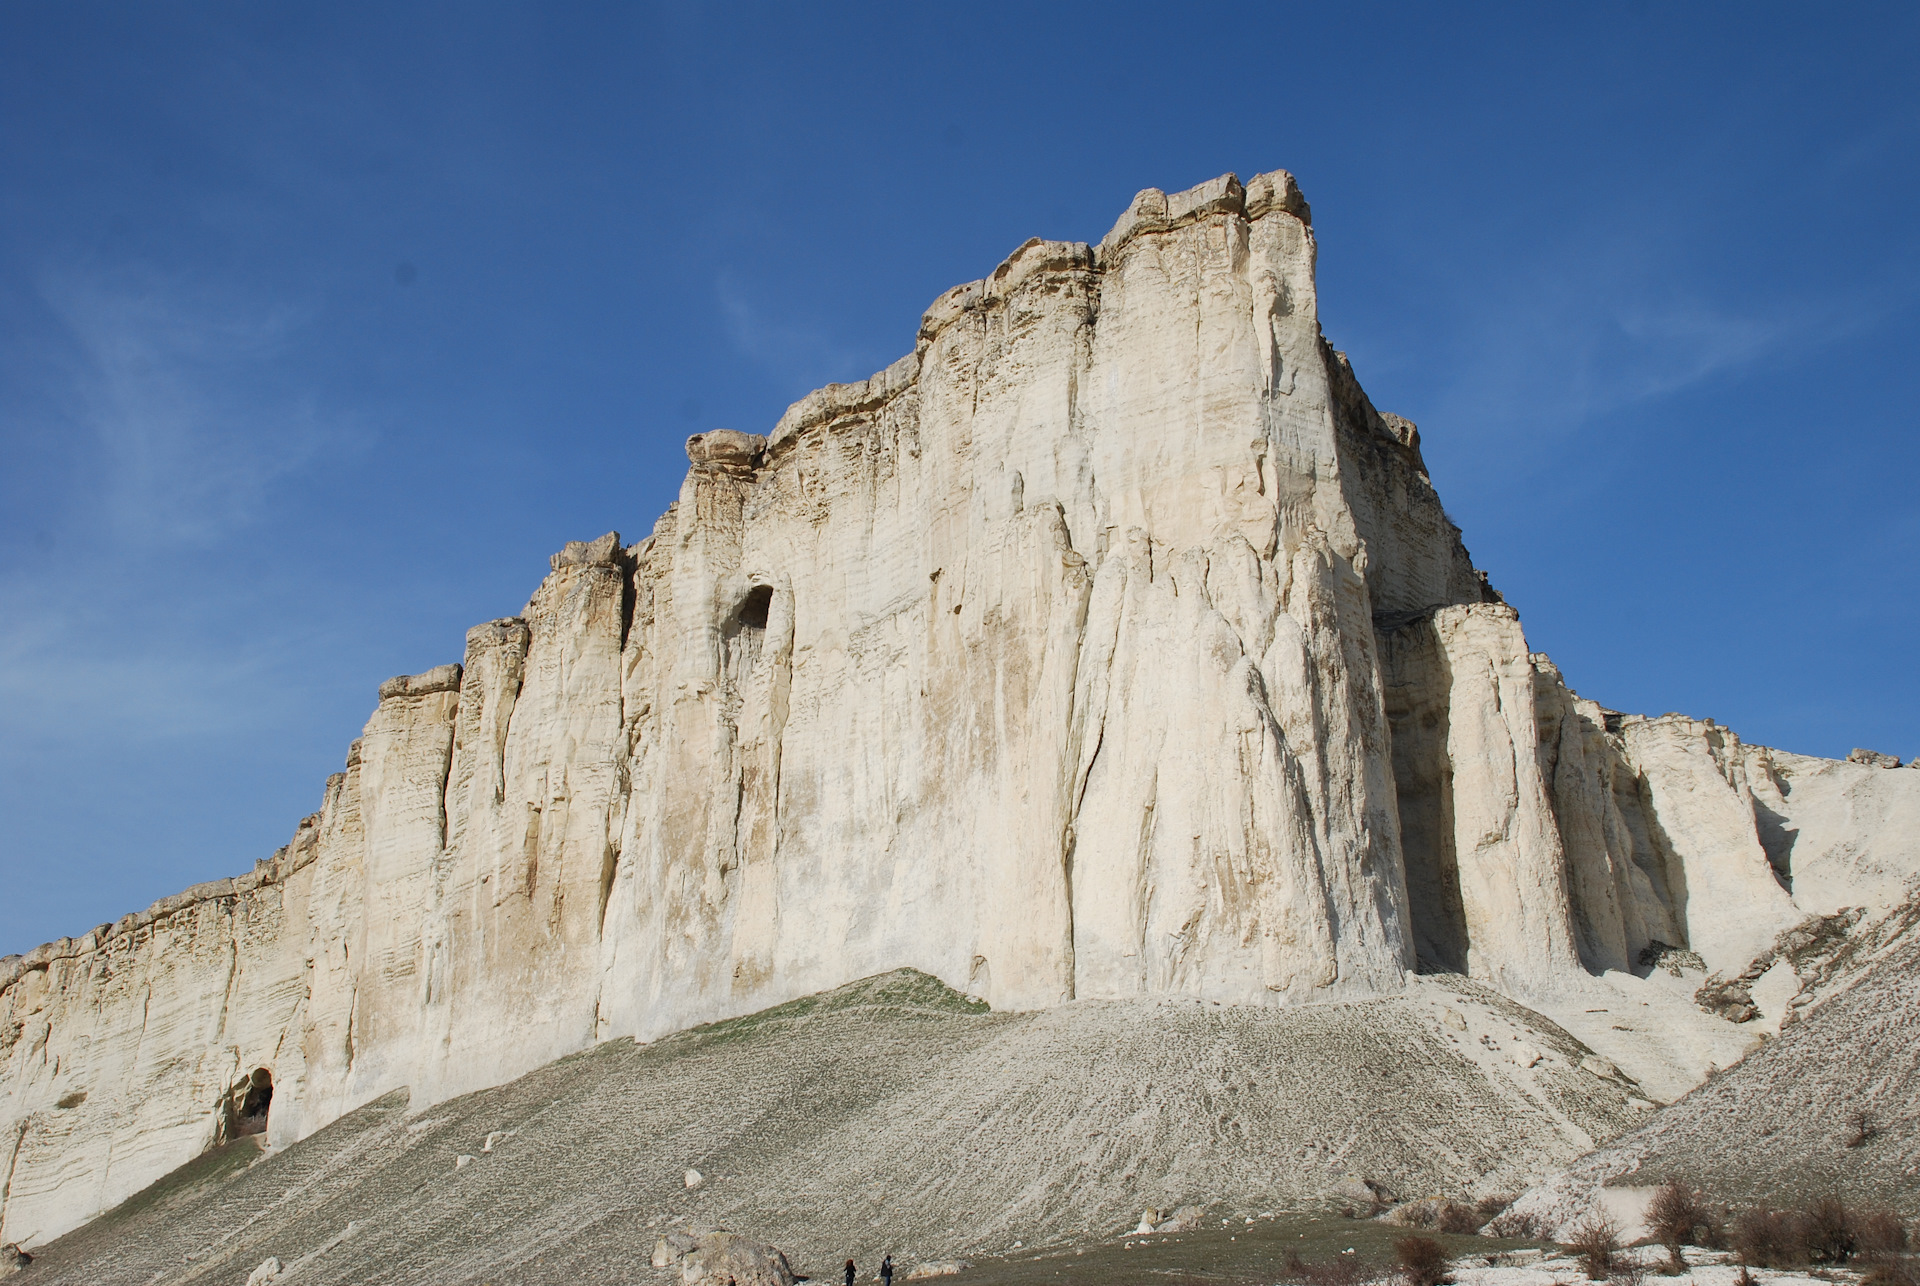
(850, 1272)
(886, 1271)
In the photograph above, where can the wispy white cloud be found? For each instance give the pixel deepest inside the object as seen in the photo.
(182, 421)
(801, 353)
(174, 383)
(67, 674)
(1677, 343)
(1596, 326)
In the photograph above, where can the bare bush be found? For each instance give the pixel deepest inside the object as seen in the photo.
(1710, 1233)
(1514, 1225)
(1879, 1232)
(1670, 1219)
(1596, 1240)
(1860, 1129)
(1627, 1271)
(1416, 1214)
(1422, 1261)
(1437, 1212)
(1826, 1231)
(1489, 1208)
(1344, 1270)
(1443, 1213)
(1682, 1216)
(1767, 1238)
(1892, 1270)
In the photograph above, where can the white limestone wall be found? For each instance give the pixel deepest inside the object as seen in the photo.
(1103, 646)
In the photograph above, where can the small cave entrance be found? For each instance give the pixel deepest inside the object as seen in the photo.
(745, 627)
(251, 1100)
(754, 607)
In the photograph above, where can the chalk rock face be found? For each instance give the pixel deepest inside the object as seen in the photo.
(1486, 865)
(1109, 644)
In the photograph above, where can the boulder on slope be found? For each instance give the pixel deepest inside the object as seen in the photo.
(719, 1258)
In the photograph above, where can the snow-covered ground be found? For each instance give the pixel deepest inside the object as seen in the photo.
(1704, 1268)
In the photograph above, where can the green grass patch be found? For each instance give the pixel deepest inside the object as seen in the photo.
(903, 989)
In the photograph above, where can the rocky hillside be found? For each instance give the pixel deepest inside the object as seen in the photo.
(891, 1115)
(1830, 1107)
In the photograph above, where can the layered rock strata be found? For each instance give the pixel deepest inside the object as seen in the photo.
(1110, 644)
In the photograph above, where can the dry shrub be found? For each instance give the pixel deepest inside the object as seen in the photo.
(1826, 1231)
(1490, 1208)
(1682, 1216)
(1627, 1271)
(1343, 1270)
(1422, 1261)
(1349, 1271)
(1514, 1225)
(1416, 1214)
(1892, 1270)
(1596, 1240)
(1670, 1218)
(1879, 1232)
(1437, 1212)
(1767, 1238)
(1710, 1233)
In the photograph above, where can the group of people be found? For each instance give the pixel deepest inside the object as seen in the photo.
(886, 1271)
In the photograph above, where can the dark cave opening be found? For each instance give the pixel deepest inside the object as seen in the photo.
(252, 1116)
(754, 607)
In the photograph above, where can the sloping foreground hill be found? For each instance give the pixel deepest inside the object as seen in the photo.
(888, 1115)
(1831, 1106)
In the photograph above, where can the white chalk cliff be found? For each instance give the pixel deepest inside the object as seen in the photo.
(1109, 644)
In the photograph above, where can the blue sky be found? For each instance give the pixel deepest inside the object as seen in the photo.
(321, 326)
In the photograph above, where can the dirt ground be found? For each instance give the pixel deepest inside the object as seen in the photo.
(890, 1115)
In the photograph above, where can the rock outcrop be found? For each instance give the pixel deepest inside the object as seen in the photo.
(1110, 644)
(725, 1259)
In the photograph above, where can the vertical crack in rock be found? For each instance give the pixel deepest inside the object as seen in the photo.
(347, 1046)
(17, 1140)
